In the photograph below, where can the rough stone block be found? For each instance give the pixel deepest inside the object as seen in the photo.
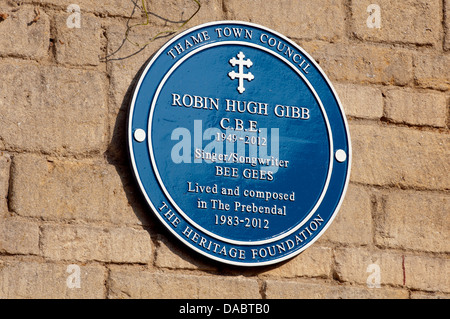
(88, 190)
(363, 63)
(19, 237)
(362, 266)
(78, 46)
(169, 254)
(21, 36)
(313, 262)
(432, 71)
(427, 273)
(122, 8)
(353, 223)
(323, 19)
(393, 156)
(415, 220)
(143, 284)
(360, 101)
(279, 289)
(407, 21)
(34, 280)
(52, 109)
(417, 108)
(84, 243)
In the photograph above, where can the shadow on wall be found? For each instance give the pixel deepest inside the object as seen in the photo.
(117, 152)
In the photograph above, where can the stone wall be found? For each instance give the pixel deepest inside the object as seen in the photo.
(70, 208)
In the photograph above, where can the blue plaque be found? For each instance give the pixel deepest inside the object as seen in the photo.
(239, 143)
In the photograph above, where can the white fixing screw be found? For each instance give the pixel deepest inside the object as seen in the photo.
(341, 156)
(139, 135)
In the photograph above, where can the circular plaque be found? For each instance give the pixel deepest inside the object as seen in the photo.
(239, 143)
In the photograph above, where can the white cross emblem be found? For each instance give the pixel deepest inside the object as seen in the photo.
(241, 75)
